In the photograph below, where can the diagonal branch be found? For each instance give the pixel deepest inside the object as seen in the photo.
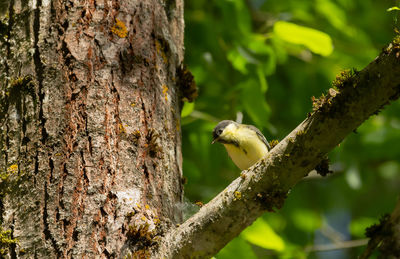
(265, 185)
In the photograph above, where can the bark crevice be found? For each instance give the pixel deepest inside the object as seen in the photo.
(39, 68)
(7, 42)
(46, 230)
(88, 147)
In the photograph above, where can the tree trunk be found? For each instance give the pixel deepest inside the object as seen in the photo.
(90, 133)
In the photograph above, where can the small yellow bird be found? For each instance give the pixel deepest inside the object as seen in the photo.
(245, 144)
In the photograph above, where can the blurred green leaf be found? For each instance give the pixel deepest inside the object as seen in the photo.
(191, 170)
(262, 55)
(257, 43)
(237, 60)
(247, 55)
(237, 248)
(333, 13)
(262, 235)
(262, 80)
(254, 102)
(187, 109)
(357, 226)
(276, 221)
(316, 41)
(306, 220)
(389, 170)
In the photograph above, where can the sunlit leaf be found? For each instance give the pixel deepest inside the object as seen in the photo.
(187, 109)
(394, 8)
(261, 234)
(316, 41)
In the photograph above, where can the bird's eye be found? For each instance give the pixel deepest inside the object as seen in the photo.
(219, 131)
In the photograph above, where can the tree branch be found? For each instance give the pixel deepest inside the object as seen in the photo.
(336, 246)
(265, 185)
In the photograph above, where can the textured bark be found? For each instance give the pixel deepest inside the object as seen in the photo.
(264, 186)
(390, 246)
(385, 237)
(90, 134)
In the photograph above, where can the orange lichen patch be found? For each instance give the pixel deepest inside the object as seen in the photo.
(156, 221)
(119, 29)
(12, 169)
(122, 128)
(143, 238)
(165, 90)
(273, 143)
(137, 133)
(160, 51)
(238, 195)
(199, 203)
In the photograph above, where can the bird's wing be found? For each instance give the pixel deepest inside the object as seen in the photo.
(260, 135)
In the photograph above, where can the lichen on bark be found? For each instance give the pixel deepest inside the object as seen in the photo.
(92, 120)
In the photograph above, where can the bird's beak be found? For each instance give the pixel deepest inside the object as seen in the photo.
(215, 140)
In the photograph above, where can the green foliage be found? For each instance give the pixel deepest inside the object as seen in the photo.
(394, 8)
(306, 220)
(317, 41)
(6, 241)
(237, 248)
(261, 234)
(6, 177)
(358, 226)
(187, 109)
(264, 60)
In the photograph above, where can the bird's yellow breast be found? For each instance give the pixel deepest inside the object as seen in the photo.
(249, 150)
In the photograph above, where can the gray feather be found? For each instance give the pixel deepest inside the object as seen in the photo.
(260, 135)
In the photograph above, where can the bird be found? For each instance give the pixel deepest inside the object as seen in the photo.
(245, 144)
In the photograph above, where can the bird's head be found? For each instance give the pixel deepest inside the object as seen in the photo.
(223, 132)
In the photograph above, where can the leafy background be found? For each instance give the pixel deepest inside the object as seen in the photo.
(263, 60)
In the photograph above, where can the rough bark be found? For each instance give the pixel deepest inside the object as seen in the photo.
(90, 134)
(264, 186)
(390, 246)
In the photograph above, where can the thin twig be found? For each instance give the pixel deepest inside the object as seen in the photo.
(337, 246)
